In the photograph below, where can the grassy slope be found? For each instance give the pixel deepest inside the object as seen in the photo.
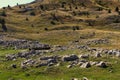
(20, 28)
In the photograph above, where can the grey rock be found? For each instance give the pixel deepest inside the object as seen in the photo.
(72, 57)
(85, 65)
(101, 64)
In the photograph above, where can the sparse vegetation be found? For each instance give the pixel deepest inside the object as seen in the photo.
(79, 27)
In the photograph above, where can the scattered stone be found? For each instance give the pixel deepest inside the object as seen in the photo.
(101, 64)
(85, 65)
(72, 57)
(99, 41)
(85, 78)
(80, 63)
(93, 63)
(69, 66)
(118, 54)
(14, 66)
(74, 79)
(97, 54)
(84, 56)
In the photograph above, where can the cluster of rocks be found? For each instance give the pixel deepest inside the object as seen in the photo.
(114, 52)
(38, 50)
(25, 54)
(73, 59)
(99, 41)
(80, 61)
(23, 44)
(42, 61)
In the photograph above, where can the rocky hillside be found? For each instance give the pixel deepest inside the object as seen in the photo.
(60, 40)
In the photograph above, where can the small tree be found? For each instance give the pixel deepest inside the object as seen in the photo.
(42, 7)
(17, 4)
(20, 6)
(46, 29)
(32, 13)
(109, 11)
(27, 19)
(9, 6)
(3, 13)
(2, 22)
(76, 7)
(117, 9)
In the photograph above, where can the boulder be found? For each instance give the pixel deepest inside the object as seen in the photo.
(101, 64)
(85, 65)
(72, 57)
(42, 64)
(74, 79)
(118, 54)
(46, 57)
(14, 66)
(84, 56)
(80, 63)
(93, 63)
(51, 64)
(85, 78)
(23, 66)
(69, 66)
(97, 54)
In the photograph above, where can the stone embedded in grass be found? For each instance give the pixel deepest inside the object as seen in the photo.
(85, 65)
(14, 66)
(97, 54)
(72, 57)
(101, 64)
(69, 66)
(85, 78)
(74, 79)
(93, 63)
(84, 56)
(118, 54)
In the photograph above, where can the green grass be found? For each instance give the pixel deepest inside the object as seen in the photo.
(59, 34)
(61, 72)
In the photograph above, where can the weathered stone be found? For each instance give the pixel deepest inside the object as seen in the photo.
(97, 54)
(23, 66)
(93, 63)
(84, 56)
(80, 63)
(101, 64)
(118, 54)
(69, 66)
(14, 66)
(70, 58)
(51, 64)
(42, 64)
(74, 79)
(85, 65)
(85, 78)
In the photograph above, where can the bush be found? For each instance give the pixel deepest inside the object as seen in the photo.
(75, 28)
(2, 22)
(3, 14)
(117, 9)
(32, 13)
(27, 19)
(109, 11)
(52, 22)
(46, 29)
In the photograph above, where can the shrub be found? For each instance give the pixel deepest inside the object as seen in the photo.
(3, 13)
(52, 22)
(2, 22)
(117, 9)
(32, 13)
(46, 29)
(27, 19)
(109, 11)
